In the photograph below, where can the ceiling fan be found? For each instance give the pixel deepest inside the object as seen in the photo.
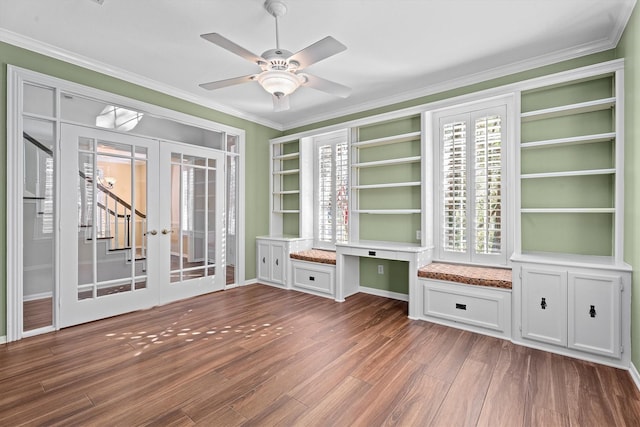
(280, 75)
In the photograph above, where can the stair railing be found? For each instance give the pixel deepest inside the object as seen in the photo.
(115, 215)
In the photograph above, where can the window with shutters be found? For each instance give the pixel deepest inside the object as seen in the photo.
(331, 201)
(471, 220)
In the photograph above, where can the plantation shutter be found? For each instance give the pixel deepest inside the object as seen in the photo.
(454, 182)
(471, 186)
(331, 187)
(325, 193)
(488, 184)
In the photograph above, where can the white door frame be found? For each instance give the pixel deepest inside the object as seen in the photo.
(16, 77)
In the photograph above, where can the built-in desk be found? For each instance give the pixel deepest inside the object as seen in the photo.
(348, 264)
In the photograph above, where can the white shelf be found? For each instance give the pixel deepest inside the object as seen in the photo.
(398, 161)
(569, 173)
(287, 211)
(280, 193)
(387, 185)
(564, 110)
(567, 210)
(388, 211)
(287, 172)
(287, 156)
(412, 136)
(585, 139)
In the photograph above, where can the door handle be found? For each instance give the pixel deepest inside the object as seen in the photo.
(152, 232)
(165, 231)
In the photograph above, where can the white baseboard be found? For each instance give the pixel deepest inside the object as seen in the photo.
(3, 339)
(381, 293)
(34, 297)
(251, 282)
(635, 375)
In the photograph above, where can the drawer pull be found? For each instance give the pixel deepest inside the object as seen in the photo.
(461, 306)
(312, 279)
(592, 311)
(263, 260)
(276, 261)
(543, 304)
(372, 253)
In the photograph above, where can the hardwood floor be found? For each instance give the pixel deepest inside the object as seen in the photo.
(257, 355)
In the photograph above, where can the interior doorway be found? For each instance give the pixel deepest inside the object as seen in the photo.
(138, 185)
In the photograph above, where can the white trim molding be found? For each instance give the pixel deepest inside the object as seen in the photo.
(382, 293)
(635, 375)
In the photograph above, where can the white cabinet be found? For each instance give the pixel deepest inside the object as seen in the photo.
(270, 261)
(480, 309)
(273, 258)
(581, 309)
(314, 278)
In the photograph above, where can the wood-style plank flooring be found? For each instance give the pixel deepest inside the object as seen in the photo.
(262, 356)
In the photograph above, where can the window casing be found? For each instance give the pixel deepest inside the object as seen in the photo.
(331, 189)
(470, 177)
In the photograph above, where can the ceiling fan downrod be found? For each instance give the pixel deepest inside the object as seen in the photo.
(276, 8)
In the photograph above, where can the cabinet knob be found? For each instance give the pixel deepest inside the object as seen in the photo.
(263, 260)
(592, 311)
(276, 261)
(543, 304)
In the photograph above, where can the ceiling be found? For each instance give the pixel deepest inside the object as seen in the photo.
(396, 50)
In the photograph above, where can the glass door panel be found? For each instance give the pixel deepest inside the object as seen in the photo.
(38, 213)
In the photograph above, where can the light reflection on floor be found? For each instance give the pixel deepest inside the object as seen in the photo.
(146, 339)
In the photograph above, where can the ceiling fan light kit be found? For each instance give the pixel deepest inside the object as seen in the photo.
(280, 67)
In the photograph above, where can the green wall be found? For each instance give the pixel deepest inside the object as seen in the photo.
(257, 146)
(629, 48)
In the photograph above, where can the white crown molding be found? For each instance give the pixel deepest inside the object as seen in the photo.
(51, 51)
(497, 72)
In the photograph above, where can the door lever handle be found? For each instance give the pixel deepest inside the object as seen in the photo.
(152, 232)
(165, 231)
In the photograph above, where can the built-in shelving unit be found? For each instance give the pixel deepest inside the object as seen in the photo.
(291, 170)
(285, 187)
(571, 165)
(386, 178)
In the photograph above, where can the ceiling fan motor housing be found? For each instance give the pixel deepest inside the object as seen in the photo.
(277, 60)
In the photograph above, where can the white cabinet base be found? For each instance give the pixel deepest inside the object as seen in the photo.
(474, 308)
(314, 278)
(577, 307)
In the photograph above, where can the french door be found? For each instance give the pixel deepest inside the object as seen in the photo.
(192, 258)
(141, 223)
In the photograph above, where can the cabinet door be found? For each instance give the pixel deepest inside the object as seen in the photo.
(277, 263)
(594, 313)
(544, 306)
(264, 260)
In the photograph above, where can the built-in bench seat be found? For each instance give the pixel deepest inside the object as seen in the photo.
(316, 255)
(468, 275)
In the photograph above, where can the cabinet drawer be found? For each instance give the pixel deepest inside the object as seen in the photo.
(315, 278)
(373, 253)
(473, 305)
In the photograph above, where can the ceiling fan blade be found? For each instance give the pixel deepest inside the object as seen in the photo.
(227, 82)
(227, 44)
(327, 86)
(318, 51)
(280, 103)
